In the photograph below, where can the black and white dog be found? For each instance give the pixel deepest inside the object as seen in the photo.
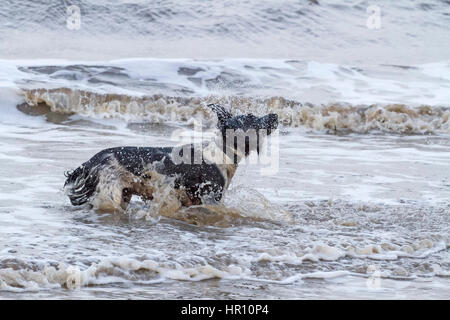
(109, 179)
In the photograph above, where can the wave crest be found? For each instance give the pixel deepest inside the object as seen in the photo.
(392, 118)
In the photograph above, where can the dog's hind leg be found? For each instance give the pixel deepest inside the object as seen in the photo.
(113, 202)
(108, 200)
(110, 195)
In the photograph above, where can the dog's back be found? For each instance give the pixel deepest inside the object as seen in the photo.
(112, 173)
(82, 182)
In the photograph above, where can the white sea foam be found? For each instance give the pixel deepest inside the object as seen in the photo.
(126, 269)
(303, 81)
(277, 230)
(322, 96)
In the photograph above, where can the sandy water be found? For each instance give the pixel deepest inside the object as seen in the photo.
(369, 220)
(359, 206)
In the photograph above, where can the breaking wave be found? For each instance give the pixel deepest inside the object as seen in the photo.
(391, 118)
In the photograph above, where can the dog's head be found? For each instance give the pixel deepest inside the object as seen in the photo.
(242, 125)
(244, 122)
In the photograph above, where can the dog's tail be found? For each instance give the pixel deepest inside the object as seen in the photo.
(81, 183)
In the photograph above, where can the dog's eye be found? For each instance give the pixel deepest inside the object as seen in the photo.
(146, 176)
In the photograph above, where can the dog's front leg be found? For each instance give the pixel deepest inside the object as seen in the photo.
(184, 198)
(211, 198)
(127, 193)
(143, 188)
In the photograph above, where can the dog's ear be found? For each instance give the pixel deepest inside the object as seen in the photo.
(222, 114)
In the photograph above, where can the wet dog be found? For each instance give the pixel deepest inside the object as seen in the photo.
(111, 177)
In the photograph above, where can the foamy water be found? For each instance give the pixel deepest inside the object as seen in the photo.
(339, 207)
(358, 208)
